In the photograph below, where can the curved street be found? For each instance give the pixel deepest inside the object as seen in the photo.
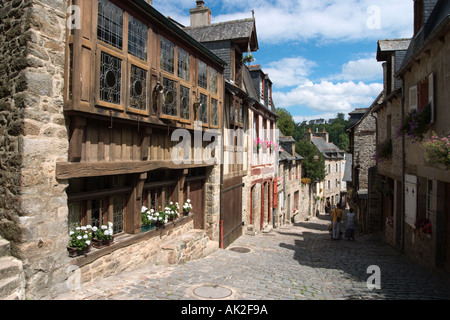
(293, 262)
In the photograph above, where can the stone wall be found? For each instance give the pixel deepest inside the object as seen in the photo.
(34, 208)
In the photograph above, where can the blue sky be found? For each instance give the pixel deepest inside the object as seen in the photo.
(320, 55)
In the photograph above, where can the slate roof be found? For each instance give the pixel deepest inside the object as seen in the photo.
(236, 30)
(439, 17)
(157, 18)
(329, 150)
(386, 46)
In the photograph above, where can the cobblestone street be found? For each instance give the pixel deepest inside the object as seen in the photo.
(292, 262)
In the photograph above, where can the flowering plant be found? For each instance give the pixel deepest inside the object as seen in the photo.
(105, 232)
(383, 150)
(437, 150)
(258, 143)
(415, 125)
(81, 237)
(187, 206)
(306, 180)
(171, 211)
(424, 225)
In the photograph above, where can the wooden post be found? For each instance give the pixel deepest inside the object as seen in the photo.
(78, 126)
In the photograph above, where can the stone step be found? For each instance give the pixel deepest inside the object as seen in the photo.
(4, 247)
(9, 267)
(10, 288)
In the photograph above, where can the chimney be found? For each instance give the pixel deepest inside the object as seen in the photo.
(201, 15)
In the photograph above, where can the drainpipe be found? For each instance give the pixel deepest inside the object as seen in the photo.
(402, 222)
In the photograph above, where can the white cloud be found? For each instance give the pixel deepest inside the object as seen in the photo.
(327, 96)
(289, 72)
(364, 69)
(299, 20)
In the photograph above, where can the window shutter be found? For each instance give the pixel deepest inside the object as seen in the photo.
(431, 97)
(413, 98)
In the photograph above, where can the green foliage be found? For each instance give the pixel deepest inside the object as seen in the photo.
(285, 122)
(313, 162)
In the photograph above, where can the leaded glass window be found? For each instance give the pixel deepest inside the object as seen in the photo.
(138, 87)
(110, 24)
(74, 215)
(203, 108)
(167, 55)
(110, 78)
(183, 64)
(202, 75)
(170, 98)
(212, 80)
(184, 103)
(137, 38)
(117, 214)
(214, 114)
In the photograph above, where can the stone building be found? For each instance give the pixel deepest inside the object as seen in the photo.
(333, 188)
(263, 164)
(91, 98)
(362, 144)
(388, 111)
(294, 193)
(426, 90)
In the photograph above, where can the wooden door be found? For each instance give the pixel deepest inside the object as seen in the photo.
(197, 200)
(232, 210)
(447, 228)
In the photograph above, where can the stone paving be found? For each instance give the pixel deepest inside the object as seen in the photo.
(293, 262)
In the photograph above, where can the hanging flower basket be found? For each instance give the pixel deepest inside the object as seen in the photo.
(383, 151)
(437, 150)
(424, 225)
(415, 125)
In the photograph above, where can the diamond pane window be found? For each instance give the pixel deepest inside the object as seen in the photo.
(214, 114)
(183, 64)
(213, 80)
(110, 78)
(110, 24)
(184, 103)
(203, 108)
(117, 215)
(202, 75)
(137, 38)
(138, 85)
(170, 98)
(167, 55)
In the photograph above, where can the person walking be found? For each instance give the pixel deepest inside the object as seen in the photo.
(337, 217)
(350, 232)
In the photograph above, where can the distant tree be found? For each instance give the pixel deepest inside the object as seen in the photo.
(313, 163)
(285, 122)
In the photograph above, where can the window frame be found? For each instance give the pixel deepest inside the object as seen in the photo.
(127, 60)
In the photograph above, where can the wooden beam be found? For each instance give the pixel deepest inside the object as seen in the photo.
(67, 170)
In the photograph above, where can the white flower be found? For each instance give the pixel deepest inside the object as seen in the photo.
(77, 228)
(106, 233)
(144, 209)
(94, 228)
(110, 224)
(83, 228)
(85, 236)
(171, 203)
(104, 227)
(188, 200)
(152, 211)
(89, 226)
(79, 238)
(88, 242)
(71, 233)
